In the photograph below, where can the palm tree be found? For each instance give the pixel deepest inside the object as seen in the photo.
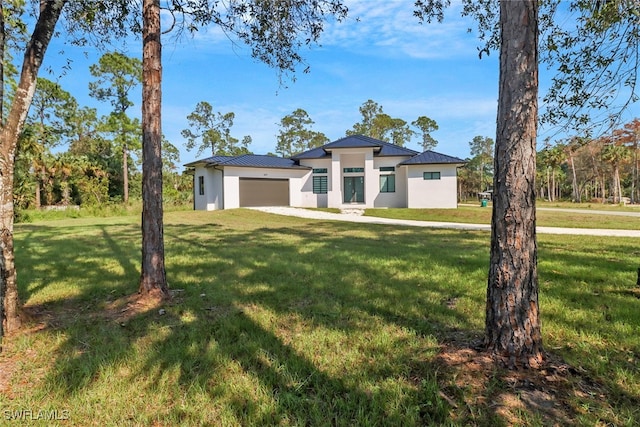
(64, 166)
(630, 137)
(552, 157)
(615, 155)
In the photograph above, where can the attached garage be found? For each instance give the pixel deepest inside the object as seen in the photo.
(264, 192)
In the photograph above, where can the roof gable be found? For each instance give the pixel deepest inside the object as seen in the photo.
(352, 141)
(314, 153)
(380, 148)
(388, 149)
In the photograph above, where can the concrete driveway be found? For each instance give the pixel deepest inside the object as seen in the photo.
(354, 216)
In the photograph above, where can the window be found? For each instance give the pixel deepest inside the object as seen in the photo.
(387, 183)
(387, 169)
(319, 185)
(431, 175)
(352, 170)
(201, 185)
(320, 182)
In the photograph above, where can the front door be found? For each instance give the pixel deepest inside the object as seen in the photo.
(354, 189)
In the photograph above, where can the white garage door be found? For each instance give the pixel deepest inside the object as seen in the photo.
(264, 192)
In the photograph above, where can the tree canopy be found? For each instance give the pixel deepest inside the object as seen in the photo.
(379, 125)
(296, 136)
(210, 130)
(117, 75)
(275, 31)
(426, 126)
(592, 46)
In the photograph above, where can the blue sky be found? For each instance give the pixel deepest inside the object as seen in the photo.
(386, 55)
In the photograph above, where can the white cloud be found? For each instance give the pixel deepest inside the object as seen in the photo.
(390, 28)
(377, 28)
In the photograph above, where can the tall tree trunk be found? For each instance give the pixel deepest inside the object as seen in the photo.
(637, 173)
(548, 185)
(6, 211)
(125, 173)
(11, 129)
(634, 175)
(12, 315)
(3, 41)
(617, 191)
(596, 175)
(574, 180)
(38, 201)
(512, 326)
(44, 185)
(153, 277)
(41, 180)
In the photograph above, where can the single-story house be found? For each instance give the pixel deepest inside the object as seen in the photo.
(355, 171)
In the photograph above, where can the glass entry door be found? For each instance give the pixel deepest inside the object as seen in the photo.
(354, 189)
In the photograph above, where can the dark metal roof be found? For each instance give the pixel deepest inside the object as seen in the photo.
(431, 157)
(262, 161)
(249, 160)
(214, 160)
(388, 149)
(314, 153)
(380, 148)
(353, 141)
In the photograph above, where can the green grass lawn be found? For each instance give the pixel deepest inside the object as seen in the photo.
(480, 215)
(588, 205)
(288, 321)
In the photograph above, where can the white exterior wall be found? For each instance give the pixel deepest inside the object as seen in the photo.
(213, 197)
(352, 158)
(334, 196)
(371, 180)
(440, 193)
(232, 177)
(307, 198)
(398, 199)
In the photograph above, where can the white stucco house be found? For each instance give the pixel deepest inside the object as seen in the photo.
(355, 171)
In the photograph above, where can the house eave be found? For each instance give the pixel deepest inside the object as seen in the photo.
(263, 167)
(432, 163)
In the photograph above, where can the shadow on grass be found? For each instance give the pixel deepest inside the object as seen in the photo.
(590, 285)
(83, 261)
(316, 323)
